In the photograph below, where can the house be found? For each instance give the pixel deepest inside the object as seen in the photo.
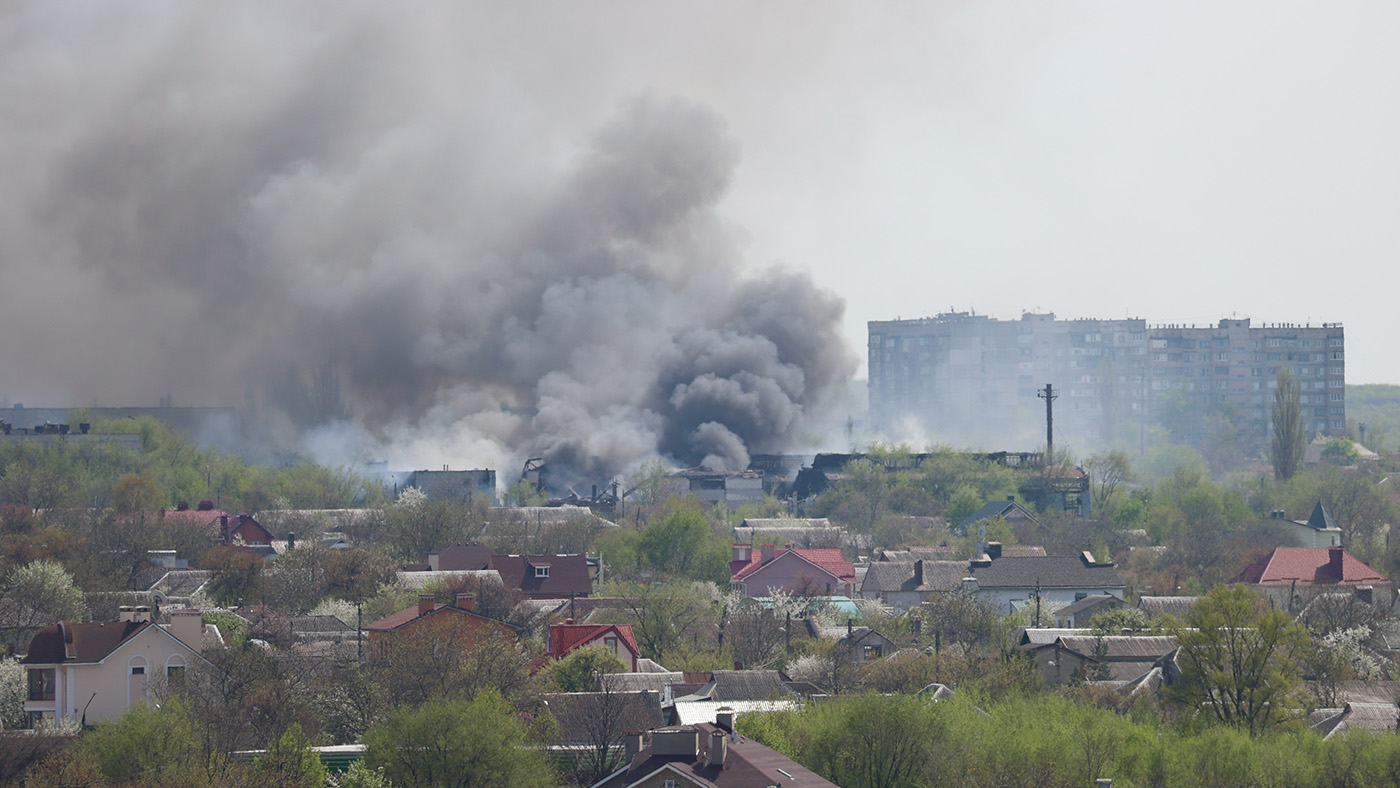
(1072, 658)
(812, 532)
(1058, 488)
(1319, 530)
(1010, 511)
(427, 619)
(545, 576)
(864, 644)
(469, 556)
(1009, 582)
(88, 672)
(795, 571)
(247, 532)
(617, 638)
(908, 584)
(1288, 576)
(1175, 606)
(1079, 613)
(707, 755)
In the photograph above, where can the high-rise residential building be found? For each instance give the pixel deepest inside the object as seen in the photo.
(973, 379)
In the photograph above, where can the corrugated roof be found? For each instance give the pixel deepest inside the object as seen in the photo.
(1050, 571)
(1177, 606)
(1147, 648)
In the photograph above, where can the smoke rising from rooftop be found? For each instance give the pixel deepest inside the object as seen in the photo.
(206, 198)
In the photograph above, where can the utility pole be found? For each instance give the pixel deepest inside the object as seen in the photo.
(1048, 394)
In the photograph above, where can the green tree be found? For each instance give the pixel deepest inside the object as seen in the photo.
(41, 593)
(1340, 451)
(962, 505)
(1239, 659)
(144, 743)
(290, 763)
(579, 671)
(457, 744)
(1286, 451)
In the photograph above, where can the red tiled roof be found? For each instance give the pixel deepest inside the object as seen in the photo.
(1309, 565)
(564, 638)
(828, 559)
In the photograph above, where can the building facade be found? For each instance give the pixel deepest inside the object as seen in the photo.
(972, 378)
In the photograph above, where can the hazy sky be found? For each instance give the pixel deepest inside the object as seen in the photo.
(1175, 161)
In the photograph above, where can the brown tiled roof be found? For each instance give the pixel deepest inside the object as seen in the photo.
(80, 642)
(747, 764)
(568, 574)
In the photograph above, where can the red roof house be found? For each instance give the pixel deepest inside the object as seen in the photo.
(1312, 569)
(617, 638)
(798, 571)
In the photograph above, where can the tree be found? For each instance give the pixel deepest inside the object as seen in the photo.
(36, 595)
(1287, 446)
(14, 689)
(449, 743)
(1340, 451)
(1239, 660)
(143, 743)
(290, 763)
(961, 619)
(580, 669)
(662, 618)
(448, 656)
(1107, 471)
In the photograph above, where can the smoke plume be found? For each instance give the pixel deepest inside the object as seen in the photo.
(329, 214)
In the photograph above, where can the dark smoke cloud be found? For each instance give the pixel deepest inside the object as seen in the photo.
(200, 200)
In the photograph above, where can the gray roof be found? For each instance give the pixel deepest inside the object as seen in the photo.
(1177, 606)
(892, 576)
(748, 685)
(1032, 636)
(1367, 691)
(992, 509)
(636, 682)
(1086, 603)
(1131, 648)
(577, 712)
(1048, 571)
(1320, 520)
(1376, 717)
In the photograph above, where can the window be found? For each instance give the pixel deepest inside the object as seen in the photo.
(41, 683)
(138, 670)
(873, 652)
(175, 675)
(541, 571)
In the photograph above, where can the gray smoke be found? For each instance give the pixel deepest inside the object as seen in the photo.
(200, 201)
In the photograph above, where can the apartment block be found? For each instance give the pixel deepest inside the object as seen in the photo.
(973, 379)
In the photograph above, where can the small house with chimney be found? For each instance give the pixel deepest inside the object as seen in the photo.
(617, 638)
(1289, 576)
(86, 672)
(545, 576)
(908, 584)
(1011, 582)
(795, 571)
(705, 755)
(433, 621)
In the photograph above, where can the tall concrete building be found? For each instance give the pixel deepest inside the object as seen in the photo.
(975, 380)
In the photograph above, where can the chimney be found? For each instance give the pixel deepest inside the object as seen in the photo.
(206, 506)
(465, 601)
(141, 613)
(1334, 562)
(188, 627)
(684, 741)
(741, 553)
(425, 604)
(969, 584)
(1011, 498)
(850, 627)
(126, 613)
(994, 550)
(718, 746)
(632, 744)
(182, 506)
(766, 553)
(917, 626)
(291, 541)
(919, 573)
(724, 719)
(223, 527)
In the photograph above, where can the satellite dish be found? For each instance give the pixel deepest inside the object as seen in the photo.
(158, 597)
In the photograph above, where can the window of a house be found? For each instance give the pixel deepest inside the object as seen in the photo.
(541, 571)
(138, 670)
(41, 683)
(873, 652)
(175, 675)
